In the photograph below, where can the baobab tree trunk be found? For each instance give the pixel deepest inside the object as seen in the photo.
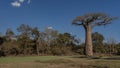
(88, 41)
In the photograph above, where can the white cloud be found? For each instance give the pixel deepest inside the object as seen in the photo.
(21, 1)
(50, 27)
(16, 4)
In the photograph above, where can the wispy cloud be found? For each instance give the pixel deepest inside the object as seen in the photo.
(49, 27)
(16, 4)
(21, 1)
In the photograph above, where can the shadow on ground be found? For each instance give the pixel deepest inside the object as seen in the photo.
(112, 58)
(99, 57)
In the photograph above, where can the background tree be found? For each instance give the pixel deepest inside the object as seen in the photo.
(63, 44)
(38, 38)
(50, 34)
(112, 45)
(9, 34)
(98, 45)
(89, 21)
(25, 38)
(36, 35)
(1, 40)
(65, 39)
(97, 38)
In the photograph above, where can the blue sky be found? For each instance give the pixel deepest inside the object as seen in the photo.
(58, 14)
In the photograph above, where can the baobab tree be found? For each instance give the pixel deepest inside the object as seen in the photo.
(89, 21)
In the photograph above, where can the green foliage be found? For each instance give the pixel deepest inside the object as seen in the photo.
(65, 39)
(9, 32)
(1, 40)
(31, 41)
(97, 38)
(10, 48)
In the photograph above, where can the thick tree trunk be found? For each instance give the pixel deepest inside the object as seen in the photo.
(88, 42)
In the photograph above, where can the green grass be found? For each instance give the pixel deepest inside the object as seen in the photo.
(27, 59)
(60, 62)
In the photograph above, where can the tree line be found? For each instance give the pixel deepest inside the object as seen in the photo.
(31, 41)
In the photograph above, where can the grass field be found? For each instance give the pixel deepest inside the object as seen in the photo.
(59, 62)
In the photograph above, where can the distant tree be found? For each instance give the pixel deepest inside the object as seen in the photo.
(25, 38)
(11, 48)
(89, 21)
(39, 40)
(118, 48)
(9, 34)
(98, 46)
(36, 35)
(51, 35)
(111, 43)
(63, 44)
(65, 39)
(97, 38)
(1, 40)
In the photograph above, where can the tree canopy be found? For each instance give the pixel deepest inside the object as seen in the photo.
(93, 19)
(88, 21)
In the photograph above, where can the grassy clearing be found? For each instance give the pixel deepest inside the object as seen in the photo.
(60, 62)
(27, 59)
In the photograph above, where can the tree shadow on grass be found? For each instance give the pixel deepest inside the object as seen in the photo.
(98, 57)
(87, 57)
(79, 57)
(112, 58)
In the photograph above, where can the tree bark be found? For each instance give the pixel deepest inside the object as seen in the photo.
(88, 41)
(37, 46)
(37, 49)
